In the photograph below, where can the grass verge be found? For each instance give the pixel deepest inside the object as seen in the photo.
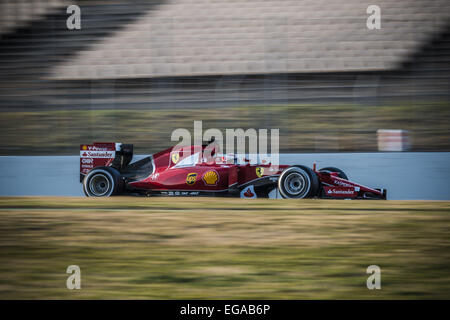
(209, 248)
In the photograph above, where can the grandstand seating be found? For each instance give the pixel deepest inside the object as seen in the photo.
(17, 13)
(226, 37)
(247, 53)
(32, 48)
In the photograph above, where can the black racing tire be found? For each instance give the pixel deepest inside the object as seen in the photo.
(102, 182)
(298, 182)
(333, 169)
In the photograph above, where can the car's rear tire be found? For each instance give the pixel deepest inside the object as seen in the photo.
(341, 174)
(101, 182)
(298, 182)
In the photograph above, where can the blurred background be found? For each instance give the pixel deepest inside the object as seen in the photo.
(136, 70)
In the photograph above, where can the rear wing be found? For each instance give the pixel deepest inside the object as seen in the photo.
(104, 154)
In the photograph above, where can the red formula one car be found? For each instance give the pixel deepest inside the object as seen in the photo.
(106, 169)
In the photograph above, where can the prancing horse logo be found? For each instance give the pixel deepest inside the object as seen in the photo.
(175, 157)
(259, 171)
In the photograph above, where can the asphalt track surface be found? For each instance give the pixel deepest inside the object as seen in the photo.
(406, 176)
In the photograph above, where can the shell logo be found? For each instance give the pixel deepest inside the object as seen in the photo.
(211, 177)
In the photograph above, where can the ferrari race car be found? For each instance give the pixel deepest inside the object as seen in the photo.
(106, 169)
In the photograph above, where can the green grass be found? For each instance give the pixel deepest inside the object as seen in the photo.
(210, 248)
(303, 128)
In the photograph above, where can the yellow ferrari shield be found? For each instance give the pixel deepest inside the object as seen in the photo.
(175, 157)
(259, 171)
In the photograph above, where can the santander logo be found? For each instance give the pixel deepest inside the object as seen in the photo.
(97, 154)
(339, 191)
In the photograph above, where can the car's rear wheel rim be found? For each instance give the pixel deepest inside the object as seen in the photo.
(99, 185)
(295, 184)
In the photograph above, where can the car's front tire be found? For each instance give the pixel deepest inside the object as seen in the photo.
(101, 182)
(298, 182)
